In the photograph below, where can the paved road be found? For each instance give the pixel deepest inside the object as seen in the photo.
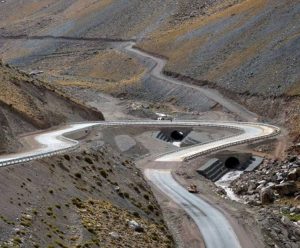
(50, 142)
(215, 229)
(212, 94)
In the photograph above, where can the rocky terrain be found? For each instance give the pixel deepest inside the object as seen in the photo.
(91, 198)
(273, 190)
(27, 104)
(248, 49)
(74, 51)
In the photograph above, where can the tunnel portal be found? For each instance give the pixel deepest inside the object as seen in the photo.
(232, 163)
(177, 135)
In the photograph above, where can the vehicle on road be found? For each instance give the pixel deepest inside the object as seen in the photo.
(192, 188)
(164, 118)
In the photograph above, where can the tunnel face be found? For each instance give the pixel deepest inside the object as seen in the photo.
(176, 135)
(232, 163)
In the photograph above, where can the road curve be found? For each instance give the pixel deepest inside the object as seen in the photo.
(52, 142)
(216, 230)
(157, 71)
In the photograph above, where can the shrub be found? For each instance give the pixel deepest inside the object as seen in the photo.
(136, 214)
(88, 160)
(151, 208)
(77, 174)
(67, 157)
(104, 173)
(137, 190)
(77, 202)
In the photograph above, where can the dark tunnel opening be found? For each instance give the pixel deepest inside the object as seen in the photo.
(177, 136)
(232, 163)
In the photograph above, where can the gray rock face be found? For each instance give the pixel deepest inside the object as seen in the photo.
(135, 226)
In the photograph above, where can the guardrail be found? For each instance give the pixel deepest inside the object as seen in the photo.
(275, 133)
(75, 144)
(34, 157)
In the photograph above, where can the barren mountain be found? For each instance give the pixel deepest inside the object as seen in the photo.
(27, 104)
(61, 58)
(248, 49)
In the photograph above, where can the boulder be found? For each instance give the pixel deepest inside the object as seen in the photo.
(115, 235)
(287, 188)
(285, 220)
(295, 210)
(266, 196)
(294, 174)
(135, 226)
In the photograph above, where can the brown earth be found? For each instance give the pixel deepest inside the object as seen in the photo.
(248, 50)
(27, 104)
(57, 211)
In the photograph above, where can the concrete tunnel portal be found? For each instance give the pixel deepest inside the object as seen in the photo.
(177, 135)
(232, 163)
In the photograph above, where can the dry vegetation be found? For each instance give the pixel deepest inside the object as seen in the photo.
(162, 40)
(12, 95)
(36, 102)
(86, 196)
(110, 226)
(108, 71)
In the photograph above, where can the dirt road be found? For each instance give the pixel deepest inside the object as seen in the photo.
(157, 71)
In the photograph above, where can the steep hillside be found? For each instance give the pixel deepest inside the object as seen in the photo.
(27, 104)
(251, 47)
(248, 49)
(91, 198)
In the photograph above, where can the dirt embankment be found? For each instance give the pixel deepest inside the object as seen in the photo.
(27, 104)
(91, 198)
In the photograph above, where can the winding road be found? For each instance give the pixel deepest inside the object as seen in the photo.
(157, 72)
(215, 228)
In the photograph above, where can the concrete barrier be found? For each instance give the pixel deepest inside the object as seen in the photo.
(75, 144)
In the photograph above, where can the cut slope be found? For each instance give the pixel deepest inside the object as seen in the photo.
(27, 104)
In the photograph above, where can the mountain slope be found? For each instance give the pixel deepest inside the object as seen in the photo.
(27, 104)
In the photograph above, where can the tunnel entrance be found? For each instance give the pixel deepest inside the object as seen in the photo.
(232, 163)
(177, 135)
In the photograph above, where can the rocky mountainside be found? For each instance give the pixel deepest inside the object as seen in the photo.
(273, 190)
(27, 104)
(248, 49)
(91, 198)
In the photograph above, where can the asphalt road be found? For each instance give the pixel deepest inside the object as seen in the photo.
(215, 228)
(49, 142)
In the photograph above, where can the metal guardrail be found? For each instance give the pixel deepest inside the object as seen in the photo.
(152, 123)
(39, 156)
(277, 131)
